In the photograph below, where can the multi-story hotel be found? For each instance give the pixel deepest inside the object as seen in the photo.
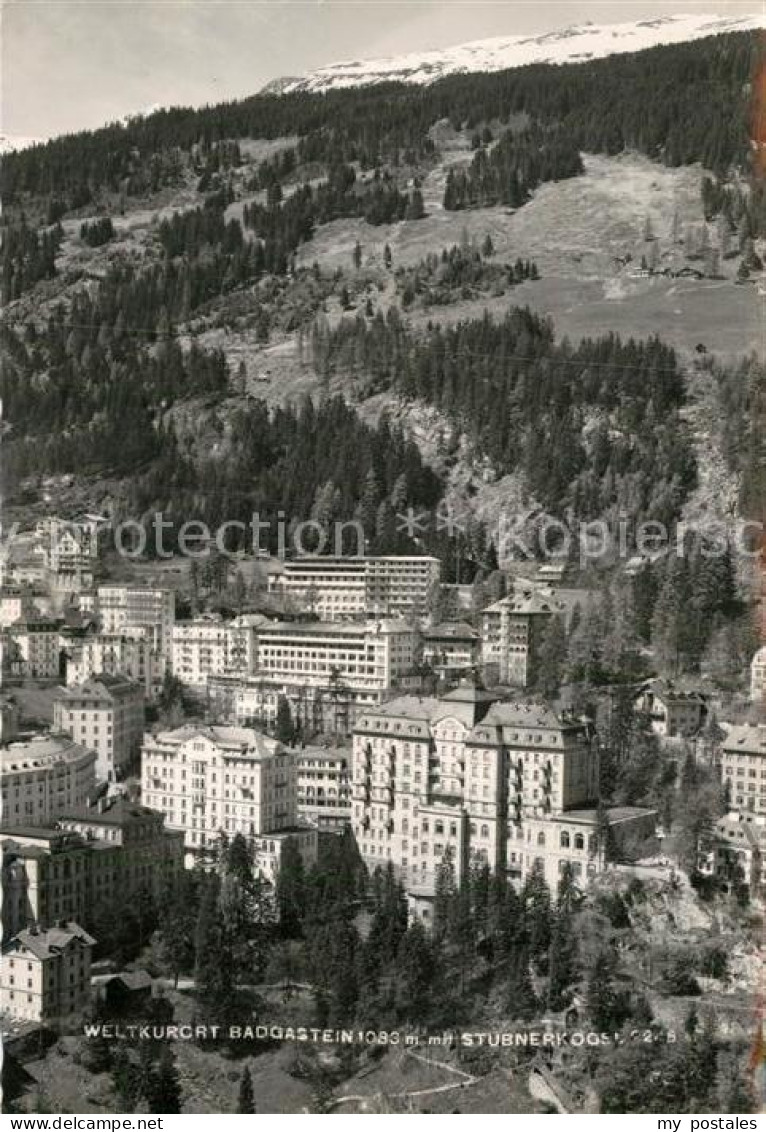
(347, 588)
(212, 780)
(327, 671)
(42, 776)
(46, 973)
(36, 645)
(324, 787)
(121, 607)
(511, 633)
(210, 647)
(128, 654)
(105, 714)
(743, 767)
(673, 712)
(93, 859)
(481, 778)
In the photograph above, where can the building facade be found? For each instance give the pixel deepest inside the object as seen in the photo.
(129, 655)
(212, 780)
(451, 648)
(38, 647)
(674, 712)
(468, 776)
(54, 873)
(105, 714)
(512, 632)
(337, 588)
(743, 767)
(43, 775)
(758, 677)
(324, 787)
(326, 671)
(209, 647)
(46, 973)
(151, 608)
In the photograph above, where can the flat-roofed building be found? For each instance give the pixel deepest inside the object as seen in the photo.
(451, 648)
(324, 787)
(209, 647)
(42, 775)
(341, 588)
(153, 608)
(38, 647)
(105, 714)
(327, 671)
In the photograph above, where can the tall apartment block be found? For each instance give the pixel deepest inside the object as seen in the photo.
(122, 607)
(512, 631)
(347, 588)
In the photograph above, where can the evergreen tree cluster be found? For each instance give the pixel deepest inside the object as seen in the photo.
(95, 233)
(279, 462)
(595, 428)
(28, 256)
(83, 392)
(510, 172)
(460, 272)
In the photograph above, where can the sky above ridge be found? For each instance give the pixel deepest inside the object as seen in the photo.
(74, 64)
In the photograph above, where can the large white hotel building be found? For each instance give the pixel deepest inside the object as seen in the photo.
(209, 780)
(346, 588)
(506, 783)
(327, 671)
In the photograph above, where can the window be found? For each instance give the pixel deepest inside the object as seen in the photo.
(541, 838)
(579, 841)
(564, 841)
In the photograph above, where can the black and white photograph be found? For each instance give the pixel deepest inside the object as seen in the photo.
(382, 561)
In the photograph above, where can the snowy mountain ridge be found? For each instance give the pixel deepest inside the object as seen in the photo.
(577, 44)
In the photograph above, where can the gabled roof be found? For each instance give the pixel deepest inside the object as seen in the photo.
(48, 942)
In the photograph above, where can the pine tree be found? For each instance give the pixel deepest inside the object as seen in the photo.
(445, 894)
(284, 730)
(246, 1098)
(520, 995)
(536, 899)
(291, 889)
(164, 1088)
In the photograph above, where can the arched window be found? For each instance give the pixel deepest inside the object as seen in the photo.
(485, 831)
(439, 827)
(473, 828)
(579, 841)
(541, 838)
(564, 839)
